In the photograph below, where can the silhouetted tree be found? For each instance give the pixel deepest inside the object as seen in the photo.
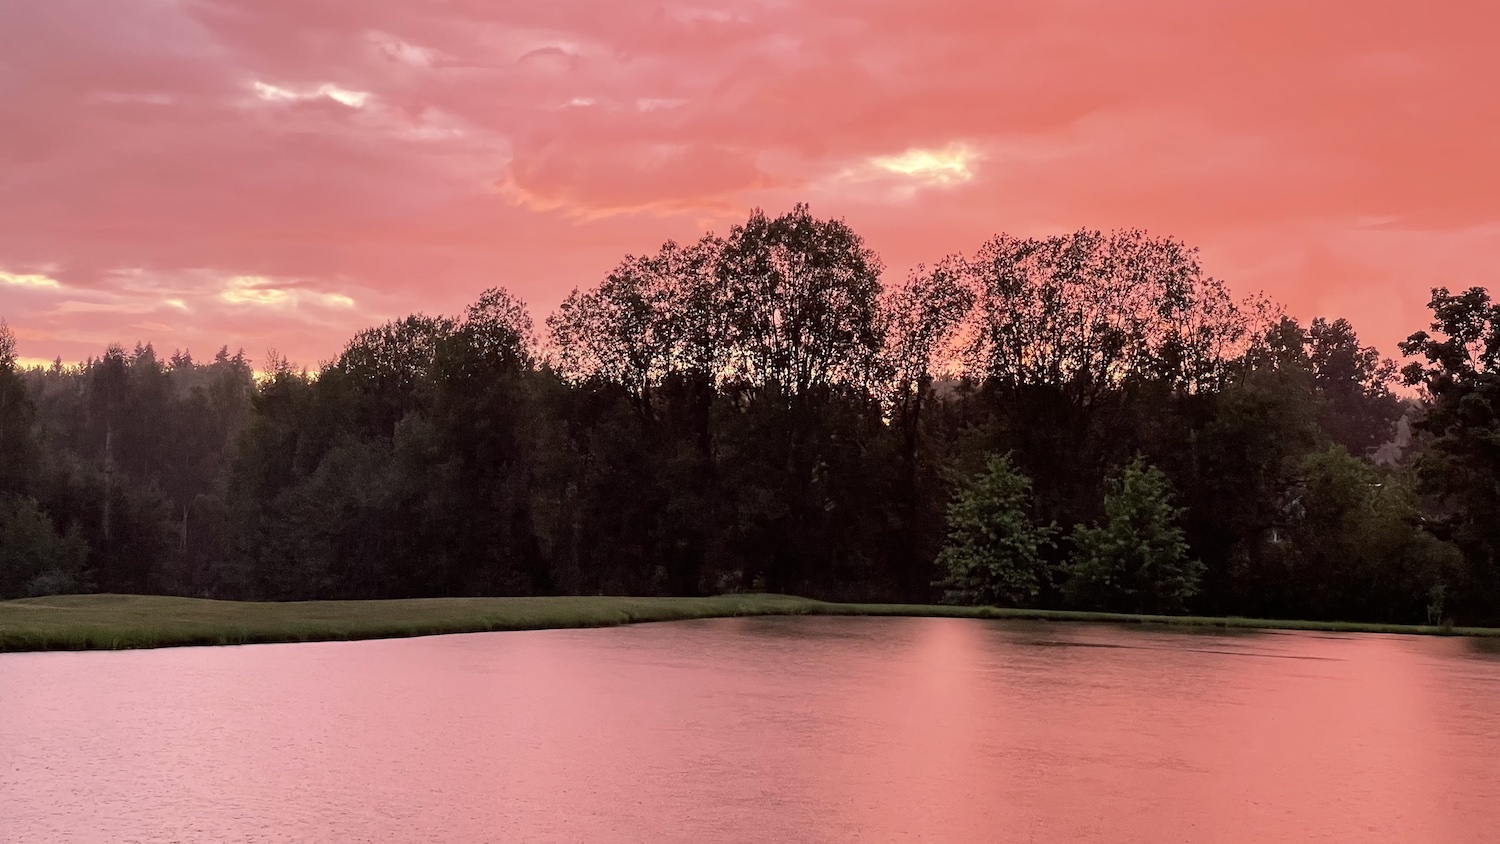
(757, 410)
(802, 297)
(1459, 370)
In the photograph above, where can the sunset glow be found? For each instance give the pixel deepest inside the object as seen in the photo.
(941, 167)
(290, 171)
(36, 281)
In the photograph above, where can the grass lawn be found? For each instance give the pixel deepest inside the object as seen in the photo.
(87, 622)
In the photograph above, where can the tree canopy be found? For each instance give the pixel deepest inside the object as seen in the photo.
(1086, 419)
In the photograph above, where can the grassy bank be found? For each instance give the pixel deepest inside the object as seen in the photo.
(87, 622)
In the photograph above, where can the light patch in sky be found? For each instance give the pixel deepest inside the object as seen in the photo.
(952, 164)
(431, 130)
(656, 103)
(688, 14)
(402, 51)
(178, 304)
(352, 99)
(272, 93)
(344, 96)
(254, 290)
(263, 292)
(34, 281)
(130, 98)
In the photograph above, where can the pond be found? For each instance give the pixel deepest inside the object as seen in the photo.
(761, 730)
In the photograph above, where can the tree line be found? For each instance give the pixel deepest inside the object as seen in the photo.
(1084, 420)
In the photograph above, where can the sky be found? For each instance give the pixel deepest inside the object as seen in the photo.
(277, 174)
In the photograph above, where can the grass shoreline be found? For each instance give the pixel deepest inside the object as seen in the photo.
(108, 622)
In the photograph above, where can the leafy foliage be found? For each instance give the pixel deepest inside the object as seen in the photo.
(995, 555)
(35, 559)
(802, 296)
(1137, 560)
(1352, 538)
(756, 410)
(1459, 369)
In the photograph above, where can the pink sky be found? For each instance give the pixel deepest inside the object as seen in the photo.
(280, 173)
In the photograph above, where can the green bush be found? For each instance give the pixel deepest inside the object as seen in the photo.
(35, 559)
(995, 554)
(1137, 561)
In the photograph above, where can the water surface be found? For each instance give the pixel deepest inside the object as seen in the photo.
(761, 730)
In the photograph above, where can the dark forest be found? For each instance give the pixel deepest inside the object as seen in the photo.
(1080, 421)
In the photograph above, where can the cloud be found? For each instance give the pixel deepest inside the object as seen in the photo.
(406, 53)
(406, 155)
(131, 98)
(258, 291)
(343, 96)
(31, 281)
(655, 103)
(937, 167)
(632, 178)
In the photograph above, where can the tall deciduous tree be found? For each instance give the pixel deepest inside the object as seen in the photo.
(652, 318)
(389, 369)
(1353, 382)
(923, 323)
(1460, 372)
(1088, 312)
(802, 296)
(923, 318)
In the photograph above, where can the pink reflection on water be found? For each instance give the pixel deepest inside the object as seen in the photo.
(820, 730)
